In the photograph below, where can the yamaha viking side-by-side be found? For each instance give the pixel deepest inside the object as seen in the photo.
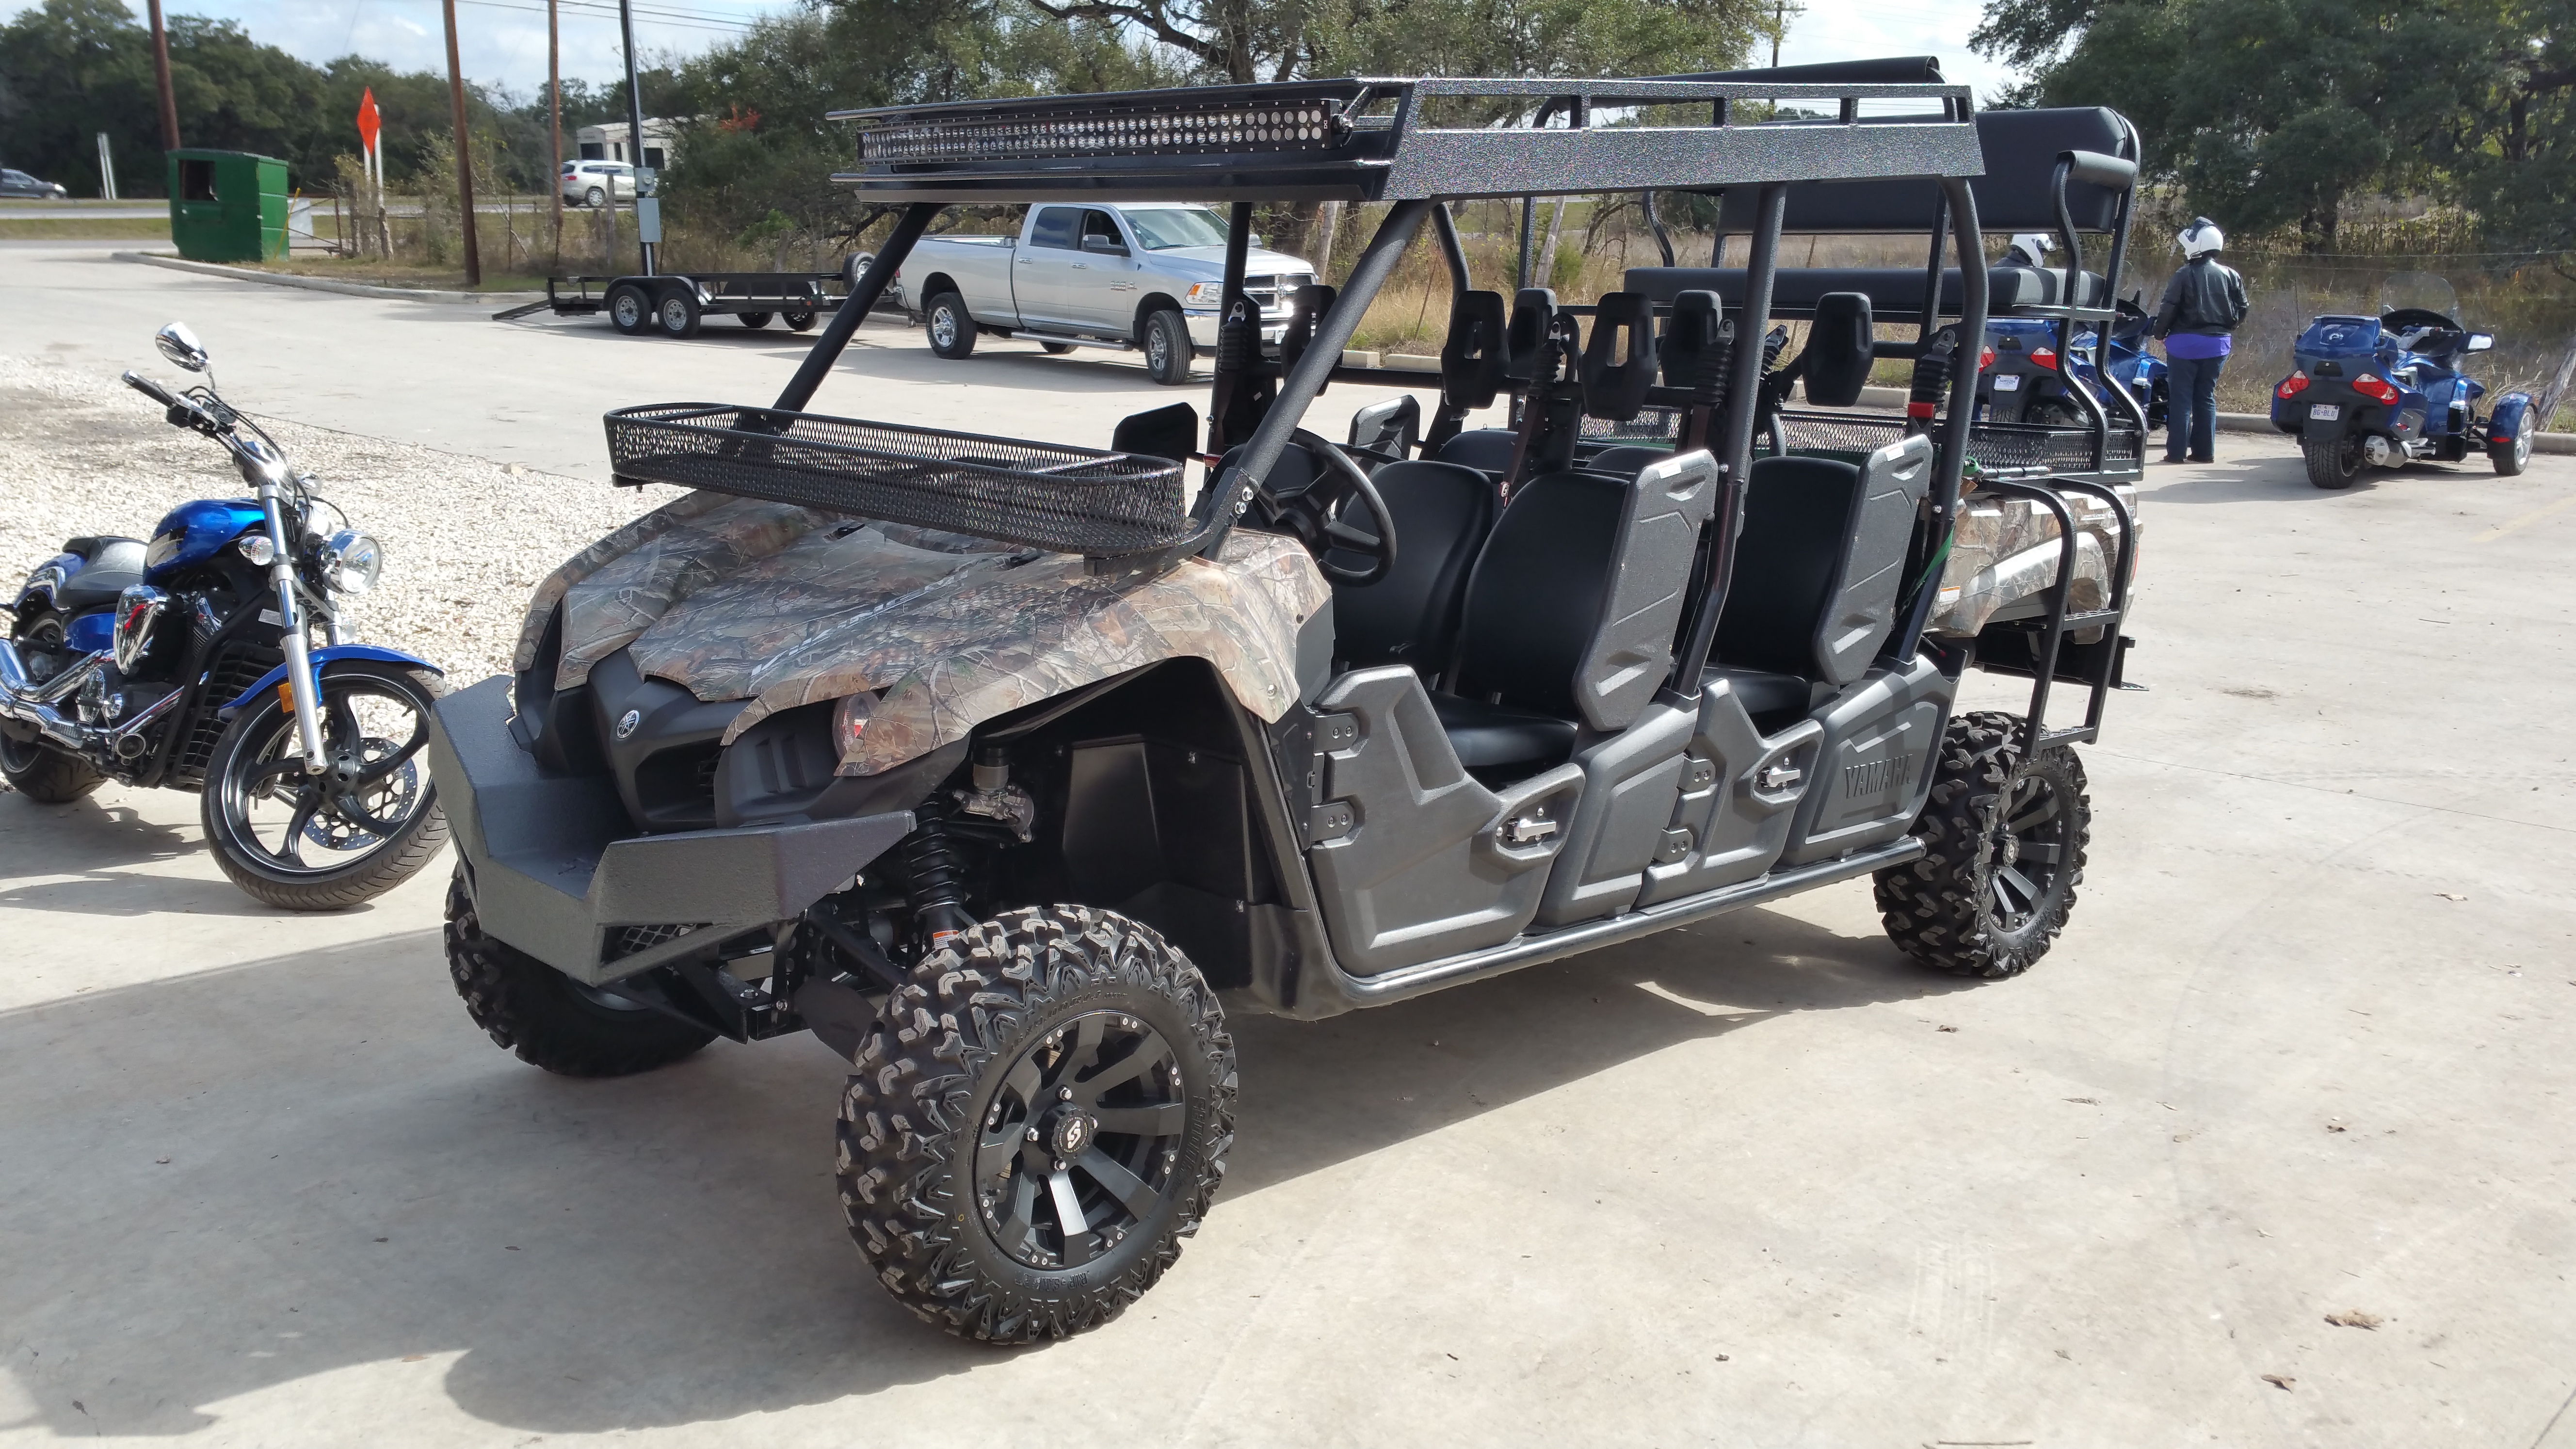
(2385, 391)
(186, 661)
(1000, 764)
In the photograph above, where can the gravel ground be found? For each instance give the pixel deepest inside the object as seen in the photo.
(465, 540)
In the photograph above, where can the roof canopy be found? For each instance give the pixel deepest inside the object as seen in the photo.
(1399, 139)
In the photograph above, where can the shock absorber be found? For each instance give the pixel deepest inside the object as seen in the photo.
(938, 877)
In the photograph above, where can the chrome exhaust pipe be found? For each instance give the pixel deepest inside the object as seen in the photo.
(34, 704)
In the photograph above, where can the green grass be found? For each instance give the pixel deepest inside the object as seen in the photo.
(114, 228)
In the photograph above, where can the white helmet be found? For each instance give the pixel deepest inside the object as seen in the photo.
(2200, 239)
(2029, 249)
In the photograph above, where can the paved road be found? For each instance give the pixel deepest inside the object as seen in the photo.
(2306, 1049)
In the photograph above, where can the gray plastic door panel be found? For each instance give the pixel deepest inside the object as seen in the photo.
(1893, 481)
(1739, 790)
(1629, 784)
(1876, 763)
(1414, 859)
(1632, 650)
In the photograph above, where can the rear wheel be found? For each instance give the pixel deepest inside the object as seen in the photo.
(1056, 349)
(2004, 839)
(678, 315)
(1038, 1117)
(2333, 461)
(594, 198)
(43, 774)
(950, 326)
(630, 311)
(799, 321)
(752, 319)
(1167, 348)
(549, 1019)
(2511, 455)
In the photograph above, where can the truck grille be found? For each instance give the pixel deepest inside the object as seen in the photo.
(1273, 294)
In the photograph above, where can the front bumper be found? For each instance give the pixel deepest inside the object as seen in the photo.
(557, 871)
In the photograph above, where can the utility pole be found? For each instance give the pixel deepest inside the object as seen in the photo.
(554, 131)
(1779, 22)
(464, 150)
(635, 142)
(161, 78)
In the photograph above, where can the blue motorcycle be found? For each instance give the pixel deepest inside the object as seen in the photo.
(187, 661)
(2021, 380)
(2384, 391)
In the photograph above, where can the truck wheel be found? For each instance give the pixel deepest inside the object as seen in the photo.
(549, 1019)
(678, 313)
(1056, 349)
(2005, 840)
(630, 311)
(1038, 1117)
(45, 775)
(2511, 456)
(2333, 462)
(799, 321)
(951, 327)
(752, 319)
(1167, 348)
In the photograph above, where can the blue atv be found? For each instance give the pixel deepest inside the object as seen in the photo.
(2384, 391)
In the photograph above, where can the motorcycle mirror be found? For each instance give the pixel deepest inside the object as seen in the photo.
(2481, 341)
(180, 345)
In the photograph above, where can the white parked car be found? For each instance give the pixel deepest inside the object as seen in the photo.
(597, 183)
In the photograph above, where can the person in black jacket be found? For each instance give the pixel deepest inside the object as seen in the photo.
(2204, 302)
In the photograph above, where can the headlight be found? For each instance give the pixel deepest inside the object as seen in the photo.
(350, 562)
(1205, 294)
(257, 548)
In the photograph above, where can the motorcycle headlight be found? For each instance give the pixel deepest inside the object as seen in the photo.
(350, 562)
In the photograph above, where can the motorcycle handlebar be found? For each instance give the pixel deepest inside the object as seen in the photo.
(151, 389)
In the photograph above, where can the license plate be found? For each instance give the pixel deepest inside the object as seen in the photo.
(2325, 412)
(2009, 382)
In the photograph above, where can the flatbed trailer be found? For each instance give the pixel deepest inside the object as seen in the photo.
(675, 304)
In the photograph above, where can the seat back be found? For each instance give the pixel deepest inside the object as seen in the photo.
(1442, 514)
(1619, 357)
(1573, 606)
(1471, 357)
(1486, 449)
(1817, 568)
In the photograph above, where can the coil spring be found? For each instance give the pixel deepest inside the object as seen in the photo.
(938, 876)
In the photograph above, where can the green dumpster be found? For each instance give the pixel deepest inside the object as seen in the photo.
(228, 206)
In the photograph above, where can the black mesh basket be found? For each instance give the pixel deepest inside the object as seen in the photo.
(1067, 500)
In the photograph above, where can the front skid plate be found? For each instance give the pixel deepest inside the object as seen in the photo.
(554, 869)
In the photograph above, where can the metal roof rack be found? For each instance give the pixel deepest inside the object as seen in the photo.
(1394, 139)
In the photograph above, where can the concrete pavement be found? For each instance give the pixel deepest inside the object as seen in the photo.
(2304, 1050)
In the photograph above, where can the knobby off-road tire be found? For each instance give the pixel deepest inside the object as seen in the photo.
(46, 776)
(2005, 840)
(1056, 1057)
(2332, 462)
(549, 1019)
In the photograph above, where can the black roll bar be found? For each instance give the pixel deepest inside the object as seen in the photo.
(854, 308)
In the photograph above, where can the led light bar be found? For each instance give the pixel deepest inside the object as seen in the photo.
(1304, 125)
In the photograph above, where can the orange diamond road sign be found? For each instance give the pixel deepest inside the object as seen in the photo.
(368, 124)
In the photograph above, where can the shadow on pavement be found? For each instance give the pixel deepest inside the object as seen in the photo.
(353, 1177)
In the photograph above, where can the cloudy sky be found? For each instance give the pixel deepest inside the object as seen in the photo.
(505, 40)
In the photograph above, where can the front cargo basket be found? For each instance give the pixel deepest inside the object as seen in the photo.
(1040, 495)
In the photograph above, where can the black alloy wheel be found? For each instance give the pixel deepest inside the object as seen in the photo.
(2004, 840)
(1035, 1120)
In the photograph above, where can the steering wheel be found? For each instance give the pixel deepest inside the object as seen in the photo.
(1314, 515)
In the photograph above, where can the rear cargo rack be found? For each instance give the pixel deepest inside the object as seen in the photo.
(1039, 495)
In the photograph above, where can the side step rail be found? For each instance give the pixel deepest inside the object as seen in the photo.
(2060, 619)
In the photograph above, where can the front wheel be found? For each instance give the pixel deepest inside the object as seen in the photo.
(2333, 461)
(2511, 455)
(950, 326)
(630, 311)
(2004, 837)
(1056, 349)
(1038, 1117)
(799, 321)
(594, 198)
(549, 1019)
(305, 840)
(1167, 348)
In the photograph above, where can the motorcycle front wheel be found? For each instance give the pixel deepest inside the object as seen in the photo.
(305, 840)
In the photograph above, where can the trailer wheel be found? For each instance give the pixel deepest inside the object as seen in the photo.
(630, 310)
(678, 314)
(1036, 1119)
(951, 327)
(752, 319)
(799, 321)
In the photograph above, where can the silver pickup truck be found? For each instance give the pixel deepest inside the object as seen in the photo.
(1131, 275)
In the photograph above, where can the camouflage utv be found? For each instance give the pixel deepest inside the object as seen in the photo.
(998, 764)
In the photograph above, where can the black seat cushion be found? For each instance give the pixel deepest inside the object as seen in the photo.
(1535, 600)
(1490, 736)
(1798, 517)
(1442, 513)
(1488, 450)
(115, 565)
(1171, 432)
(1774, 700)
